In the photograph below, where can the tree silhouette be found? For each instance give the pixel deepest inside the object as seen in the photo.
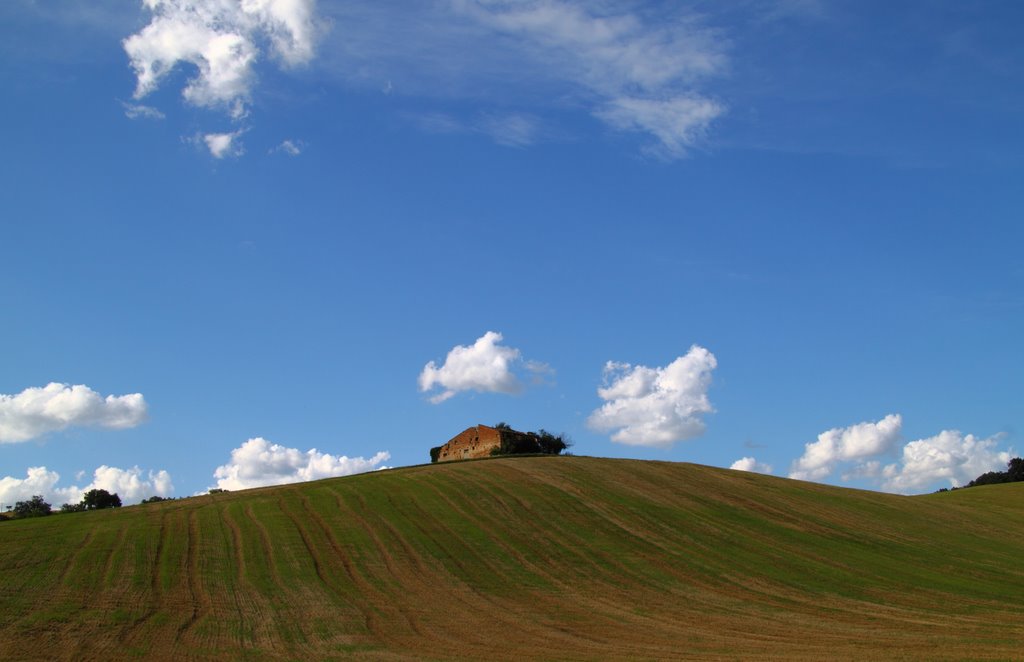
(34, 507)
(98, 499)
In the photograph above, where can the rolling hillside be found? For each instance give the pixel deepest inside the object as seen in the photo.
(541, 557)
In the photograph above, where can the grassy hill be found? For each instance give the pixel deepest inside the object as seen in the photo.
(542, 557)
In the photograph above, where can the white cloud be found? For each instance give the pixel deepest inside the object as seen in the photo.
(540, 373)
(677, 123)
(221, 38)
(484, 366)
(641, 70)
(223, 145)
(129, 484)
(289, 147)
(38, 480)
(870, 469)
(635, 69)
(37, 411)
(438, 123)
(837, 445)
(136, 111)
(656, 406)
(751, 464)
(506, 129)
(510, 129)
(948, 456)
(259, 462)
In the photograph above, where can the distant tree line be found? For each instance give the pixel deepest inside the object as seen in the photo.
(91, 500)
(1014, 473)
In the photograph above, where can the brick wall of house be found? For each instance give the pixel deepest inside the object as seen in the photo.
(477, 441)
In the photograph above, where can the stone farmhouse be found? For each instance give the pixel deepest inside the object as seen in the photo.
(477, 441)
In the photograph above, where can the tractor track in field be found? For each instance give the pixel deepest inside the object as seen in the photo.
(233, 536)
(370, 618)
(235, 539)
(155, 589)
(393, 568)
(108, 562)
(265, 546)
(199, 600)
(555, 576)
(607, 607)
(493, 605)
(364, 587)
(253, 611)
(381, 602)
(77, 550)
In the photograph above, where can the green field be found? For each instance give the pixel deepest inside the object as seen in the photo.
(537, 557)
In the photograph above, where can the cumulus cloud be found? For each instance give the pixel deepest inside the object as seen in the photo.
(640, 70)
(751, 464)
(484, 366)
(948, 456)
(656, 406)
(37, 411)
(258, 462)
(132, 485)
(222, 39)
(837, 445)
(222, 145)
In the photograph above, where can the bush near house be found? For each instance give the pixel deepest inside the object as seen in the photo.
(539, 442)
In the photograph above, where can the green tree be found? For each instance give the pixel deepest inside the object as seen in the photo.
(98, 499)
(34, 507)
(72, 508)
(1015, 470)
(1014, 473)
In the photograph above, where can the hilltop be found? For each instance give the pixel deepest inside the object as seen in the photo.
(536, 557)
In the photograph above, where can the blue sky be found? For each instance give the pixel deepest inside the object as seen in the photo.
(786, 231)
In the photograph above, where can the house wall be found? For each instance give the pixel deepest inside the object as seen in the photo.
(477, 441)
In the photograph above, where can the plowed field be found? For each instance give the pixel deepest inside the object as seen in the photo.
(545, 558)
